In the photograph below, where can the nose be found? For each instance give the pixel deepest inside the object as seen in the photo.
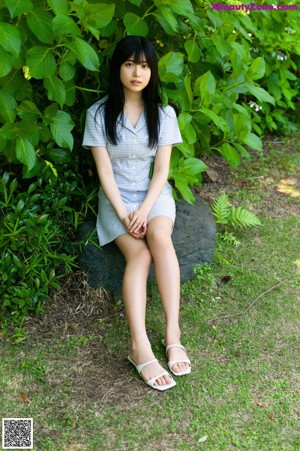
(137, 70)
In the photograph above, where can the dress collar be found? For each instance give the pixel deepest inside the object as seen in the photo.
(140, 123)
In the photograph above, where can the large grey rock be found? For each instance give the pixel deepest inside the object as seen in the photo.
(194, 238)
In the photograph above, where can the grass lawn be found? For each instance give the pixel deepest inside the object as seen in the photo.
(68, 369)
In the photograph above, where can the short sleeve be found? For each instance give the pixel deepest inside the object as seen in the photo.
(169, 128)
(94, 131)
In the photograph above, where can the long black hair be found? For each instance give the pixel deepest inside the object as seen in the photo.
(138, 48)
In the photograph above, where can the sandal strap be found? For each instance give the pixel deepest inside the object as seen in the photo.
(142, 365)
(174, 346)
(172, 362)
(151, 381)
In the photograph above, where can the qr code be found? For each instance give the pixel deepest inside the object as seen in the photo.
(17, 433)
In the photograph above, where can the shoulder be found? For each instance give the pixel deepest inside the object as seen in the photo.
(97, 107)
(167, 110)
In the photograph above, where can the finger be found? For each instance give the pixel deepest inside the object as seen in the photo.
(133, 221)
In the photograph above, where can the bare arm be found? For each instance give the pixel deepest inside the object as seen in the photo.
(107, 180)
(160, 176)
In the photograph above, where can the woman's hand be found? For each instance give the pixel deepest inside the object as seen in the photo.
(137, 221)
(139, 233)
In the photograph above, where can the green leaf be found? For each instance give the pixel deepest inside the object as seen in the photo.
(241, 125)
(218, 120)
(243, 218)
(207, 85)
(59, 156)
(70, 92)
(135, 25)
(96, 16)
(230, 154)
(55, 89)
(244, 153)
(40, 23)
(62, 25)
(61, 127)
(167, 20)
(25, 152)
(220, 209)
(241, 50)
(85, 53)
(28, 110)
(220, 44)
(194, 166)
(51, 111)
(186, 128)
(28, 130)
(136, 2)
(5, 63)
(3, 142)
(257, 69)
(253, 141)
(192, 50)
(188, 88)
(66, 71)
(41, 62)
(17, 7)
(236, 61)
(186, 149)
(8, 106)
(261, 94)
(50, 165)
(10, 38)
(184, 189)
(170, 67)
(181, 7)
(185, 173)
(58, 6)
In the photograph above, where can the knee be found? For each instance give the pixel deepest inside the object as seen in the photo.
(142, 257)
(159, 237)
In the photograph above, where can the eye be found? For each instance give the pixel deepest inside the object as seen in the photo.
(128, 64)
(145, 66)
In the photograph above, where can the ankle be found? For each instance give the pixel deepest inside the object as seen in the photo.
(141, 343)
(173, 336)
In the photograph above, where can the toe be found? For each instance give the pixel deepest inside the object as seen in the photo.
(164, 380)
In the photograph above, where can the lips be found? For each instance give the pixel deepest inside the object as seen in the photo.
(135, 82)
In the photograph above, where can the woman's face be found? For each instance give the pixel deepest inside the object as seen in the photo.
(135, 76)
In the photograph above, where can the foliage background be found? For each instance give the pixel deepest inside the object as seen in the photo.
(234, 76)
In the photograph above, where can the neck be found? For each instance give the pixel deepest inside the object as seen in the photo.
(133, 98)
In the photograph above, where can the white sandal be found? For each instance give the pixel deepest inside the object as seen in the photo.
(151, 382)
(172, 362)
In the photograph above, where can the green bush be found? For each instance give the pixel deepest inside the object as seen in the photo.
(35, 250)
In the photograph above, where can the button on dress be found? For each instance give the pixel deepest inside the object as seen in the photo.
(131, 162)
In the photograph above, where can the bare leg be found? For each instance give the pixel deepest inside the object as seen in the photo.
(138, 260)
(168, 280)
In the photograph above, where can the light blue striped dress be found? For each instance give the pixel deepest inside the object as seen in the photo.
(131, 159)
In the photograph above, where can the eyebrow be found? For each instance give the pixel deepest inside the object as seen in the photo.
(137, 62)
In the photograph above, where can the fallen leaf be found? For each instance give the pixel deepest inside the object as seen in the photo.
(272, 416)
(23, 397)
(212, 174)
(260, 404)
(203, 439)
